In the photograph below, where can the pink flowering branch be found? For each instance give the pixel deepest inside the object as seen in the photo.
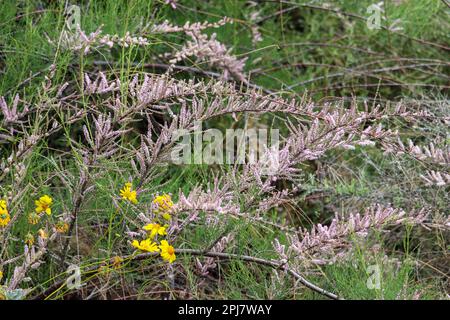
(322, 242)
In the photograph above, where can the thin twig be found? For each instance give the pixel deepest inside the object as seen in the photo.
(221, 255)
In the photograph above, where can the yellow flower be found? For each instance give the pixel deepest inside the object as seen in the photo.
(62, 227)
(3, 205)
(4, 214)
(4, 218)
(1, 274)
(43, 205)
(33, 218)
(42, 234)
(128, 194)
(145, 245)
(167, 251)
(117, 261)
(154, 229)
(163, 205)
(29, 239)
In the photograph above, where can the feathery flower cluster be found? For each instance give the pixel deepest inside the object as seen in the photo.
(253, 17)
(172, 3)
(324, 244)
(436, 178)
(209, 263)
(206, 50)
(85, 43)
(212, 52)
(430, 152)
(11, 114)
(436, 158)
(167, 27)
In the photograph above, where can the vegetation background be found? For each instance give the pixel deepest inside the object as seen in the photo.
(322, 49)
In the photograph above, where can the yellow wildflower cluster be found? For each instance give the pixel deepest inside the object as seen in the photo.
(44, 205)
(162, 205)
(127, 193)
(146, 245)
(166, 251)
(4, 214)
(155, 228)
